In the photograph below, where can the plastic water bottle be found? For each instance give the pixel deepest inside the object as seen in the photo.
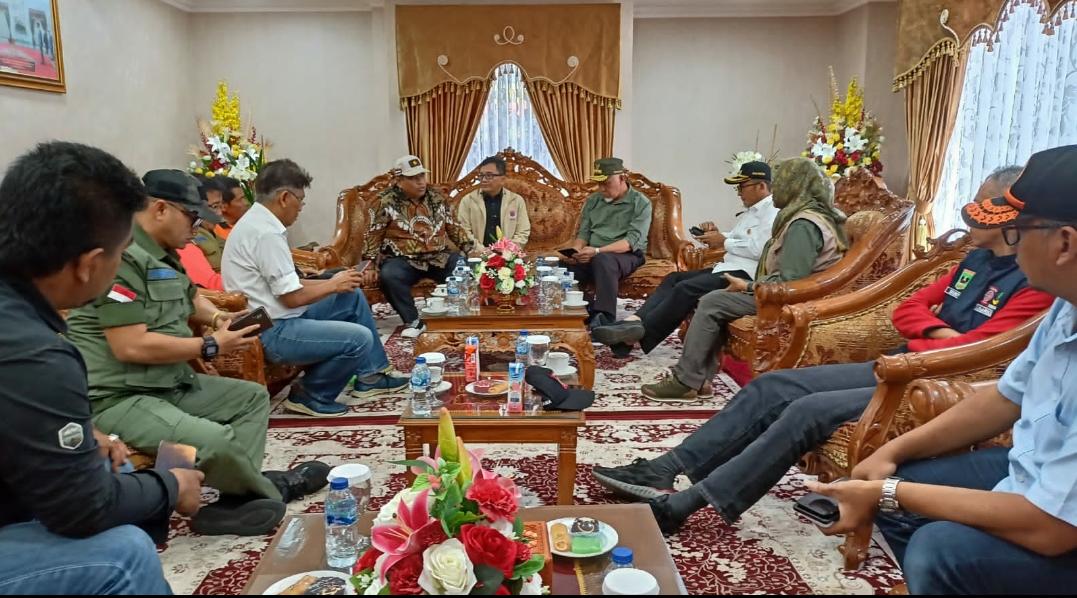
(621, 558)
(341, 526)
(515, 403)
(420, 388)
(521, 348)
(452, 302)
(567, 280)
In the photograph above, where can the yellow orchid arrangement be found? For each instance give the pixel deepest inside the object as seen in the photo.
(850, 138)
(226, 149)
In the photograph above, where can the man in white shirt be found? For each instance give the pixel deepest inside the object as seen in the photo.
(679, 292)
(324, 325)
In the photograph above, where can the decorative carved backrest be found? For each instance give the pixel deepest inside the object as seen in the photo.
(860, 192)
(355, 207)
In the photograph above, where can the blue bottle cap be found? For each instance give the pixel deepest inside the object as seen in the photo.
(420, 360)
(523, 333)
(341, 484)
(622, 555)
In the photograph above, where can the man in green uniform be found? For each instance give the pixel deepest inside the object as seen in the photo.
(137, 343)
(612, 239)
(211, 245)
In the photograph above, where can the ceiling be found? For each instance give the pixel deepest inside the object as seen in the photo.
(643, 8)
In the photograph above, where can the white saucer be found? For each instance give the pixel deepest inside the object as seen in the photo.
(430, 311)
(580, 304)
(287, 582)
(444, 386)
(609, 538)
(569, 371)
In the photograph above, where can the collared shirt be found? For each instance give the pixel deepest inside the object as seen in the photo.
(417, 230)
(493, 217)
(258, 263)
(51, 470)
(152, 288)
(744, 244)
(1043, 381)
(603, 222)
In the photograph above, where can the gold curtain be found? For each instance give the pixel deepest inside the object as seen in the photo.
(442, 125)
(931, 102)
(577, 125)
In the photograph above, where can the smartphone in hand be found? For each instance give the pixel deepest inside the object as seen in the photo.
(695, 230)
(567, 252)
(171, 455)
(362, 266)
(820, 510)
(258, 316)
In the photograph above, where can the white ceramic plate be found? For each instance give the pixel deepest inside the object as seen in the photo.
(430, 311)
(471, 389)
(285, 583)
(444, 386)
(580, 304)
(609, 538)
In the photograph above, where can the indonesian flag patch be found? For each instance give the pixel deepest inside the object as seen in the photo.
(121, 294)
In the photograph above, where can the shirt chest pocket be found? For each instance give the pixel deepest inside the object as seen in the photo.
(168, 302)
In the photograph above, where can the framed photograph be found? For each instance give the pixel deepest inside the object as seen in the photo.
(31, 54)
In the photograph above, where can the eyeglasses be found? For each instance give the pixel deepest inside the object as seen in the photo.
(485, 176)
(741, 187)
(196, 220)
(1011, 233)
(302, 199)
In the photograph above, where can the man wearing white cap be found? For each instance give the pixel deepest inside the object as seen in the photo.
(409, 237)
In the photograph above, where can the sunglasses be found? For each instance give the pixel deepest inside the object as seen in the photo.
(196, 220)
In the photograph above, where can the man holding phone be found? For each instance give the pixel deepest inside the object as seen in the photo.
(69, 523)
(324, 325)
(137, 343)
(679, 292)
(612, 239)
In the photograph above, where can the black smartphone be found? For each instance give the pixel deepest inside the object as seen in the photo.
(820, 510)
(695, 230)
(171, 455)
(567, 252)
(361, 266)
(258, 316)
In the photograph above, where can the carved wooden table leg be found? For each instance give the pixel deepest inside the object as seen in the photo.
(579, 343)
(413, 449)
(566, 467)
(435, 341)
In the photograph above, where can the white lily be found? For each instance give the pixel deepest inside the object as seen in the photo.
(853, 141)
(822, 149)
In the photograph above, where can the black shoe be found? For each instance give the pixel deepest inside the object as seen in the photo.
(239, 516)
(301, 480)
(668, 522)
(599, 320)
(627, 332)
(638, 481)
(621, 350)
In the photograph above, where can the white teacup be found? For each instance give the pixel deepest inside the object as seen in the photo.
(557, 361)
(436, 303)
(441, 289)
(574, 297)
(551, 260)
(436, 363)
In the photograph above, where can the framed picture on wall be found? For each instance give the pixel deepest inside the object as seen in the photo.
(31, 54)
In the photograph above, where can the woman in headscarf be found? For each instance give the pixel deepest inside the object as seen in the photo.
(807, 237)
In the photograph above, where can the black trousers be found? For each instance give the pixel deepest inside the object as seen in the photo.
(607, 270)
(674, 299)
(398, 277)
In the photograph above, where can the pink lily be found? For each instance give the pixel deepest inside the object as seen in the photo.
(398, 540)
(474, 456)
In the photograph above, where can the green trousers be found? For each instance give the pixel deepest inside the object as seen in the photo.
(225, 420)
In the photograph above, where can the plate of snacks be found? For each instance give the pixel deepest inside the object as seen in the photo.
(488, 387)
(580, 537)
(313, 583)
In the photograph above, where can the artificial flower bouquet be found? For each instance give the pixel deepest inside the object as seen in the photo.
(851, 139)
(504, 271)
(227, 150)
(455, 531)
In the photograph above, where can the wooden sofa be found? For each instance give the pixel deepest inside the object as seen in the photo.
(554, 208)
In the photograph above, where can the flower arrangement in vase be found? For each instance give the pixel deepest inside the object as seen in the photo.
(226, 150)
(455, 531)
(852, 138)
(504, 274)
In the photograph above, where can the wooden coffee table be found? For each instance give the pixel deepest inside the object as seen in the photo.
(497, 332)
(481, 421)
(634, 523)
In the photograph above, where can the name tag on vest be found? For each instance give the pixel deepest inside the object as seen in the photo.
(984, 310)
(951, 291)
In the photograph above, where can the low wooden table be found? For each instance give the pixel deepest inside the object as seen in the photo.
(498, 331)
(634, 524)
(481, 421)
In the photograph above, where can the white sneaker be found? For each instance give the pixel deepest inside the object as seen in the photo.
(414, 330)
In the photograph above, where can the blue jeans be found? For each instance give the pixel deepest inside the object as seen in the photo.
(336, 339)
(740, 453)
(122, 560)
(943, 557)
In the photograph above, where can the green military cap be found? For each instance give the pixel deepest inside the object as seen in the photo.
(179, 188)
(604, 167)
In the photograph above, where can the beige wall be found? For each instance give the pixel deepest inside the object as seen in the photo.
(306, 79)
(125, 63)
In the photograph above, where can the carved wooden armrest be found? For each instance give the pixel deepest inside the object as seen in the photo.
(224, 300)
(930, 398)
(696, 257)
(317, 259)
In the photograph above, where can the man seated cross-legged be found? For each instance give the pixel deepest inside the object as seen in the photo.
(740, 453)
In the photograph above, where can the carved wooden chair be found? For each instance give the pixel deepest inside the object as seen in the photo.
(553, 206)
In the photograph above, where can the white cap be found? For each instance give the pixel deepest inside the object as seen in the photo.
(408, 166)
(353, 472)
(538, 339)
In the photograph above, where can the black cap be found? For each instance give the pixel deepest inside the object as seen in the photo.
(180, 188)
(759, 171)
(1048, 186)
(556, 395)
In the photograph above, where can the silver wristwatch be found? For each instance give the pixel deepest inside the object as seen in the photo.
(888, 503)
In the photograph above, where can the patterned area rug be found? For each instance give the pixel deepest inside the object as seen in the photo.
(770, 550)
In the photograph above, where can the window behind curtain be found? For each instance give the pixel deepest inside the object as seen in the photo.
(1017, 99)
(509, 121)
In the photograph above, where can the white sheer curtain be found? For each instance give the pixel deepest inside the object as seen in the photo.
(1018, 98)
(509, 121)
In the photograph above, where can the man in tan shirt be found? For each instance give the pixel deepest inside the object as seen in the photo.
(492, 208)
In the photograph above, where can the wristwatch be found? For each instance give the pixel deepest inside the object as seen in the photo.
(598, 250)
(209, 348)
(888, 503)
